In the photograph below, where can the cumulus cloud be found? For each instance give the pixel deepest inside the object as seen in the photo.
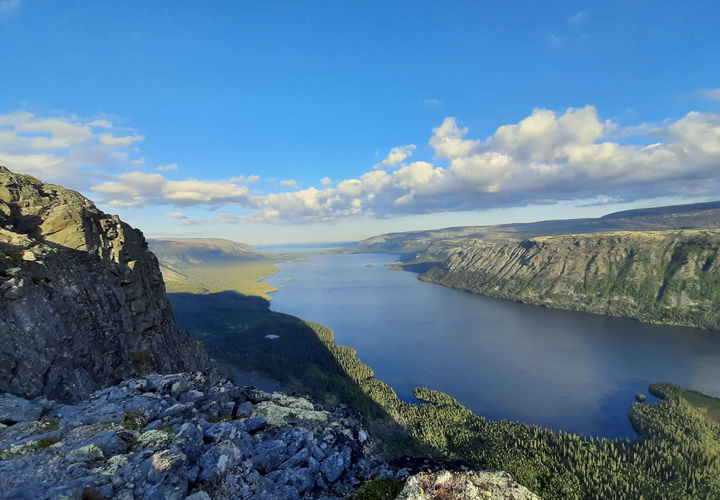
(396, 155)
(125, 141)
(139, 188)
(546, 157)
(712, 93)
(64, 149)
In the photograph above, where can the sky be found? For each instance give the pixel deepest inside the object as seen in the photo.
(284, 121)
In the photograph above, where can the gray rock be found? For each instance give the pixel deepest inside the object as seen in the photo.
(477, 484)
(216, 460)
(299, 478)
(269, 454)
(220, 431)
(333, 466)
(200, 495)
(14, 409)
(255, 424)
(189, 440)
(243, 410)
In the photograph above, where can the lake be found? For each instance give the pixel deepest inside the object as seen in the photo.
(560, 369)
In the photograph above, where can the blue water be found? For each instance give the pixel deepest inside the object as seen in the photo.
(504, 360)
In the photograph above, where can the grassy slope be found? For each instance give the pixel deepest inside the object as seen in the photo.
(242, 277)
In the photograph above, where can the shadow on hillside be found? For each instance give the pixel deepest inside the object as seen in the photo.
(234, 328)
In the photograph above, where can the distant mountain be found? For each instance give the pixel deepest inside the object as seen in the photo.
(438, 241)
(177, 253)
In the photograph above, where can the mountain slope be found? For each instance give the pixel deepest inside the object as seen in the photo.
(436, 241)
(658, 276)
(180, 252)
(83, 301)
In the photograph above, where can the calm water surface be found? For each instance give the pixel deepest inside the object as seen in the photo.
(504, 360)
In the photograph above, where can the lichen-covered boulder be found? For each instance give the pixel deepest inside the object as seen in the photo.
(470, 485)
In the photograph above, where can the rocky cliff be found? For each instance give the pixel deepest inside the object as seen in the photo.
(82, 300)
(658, 276)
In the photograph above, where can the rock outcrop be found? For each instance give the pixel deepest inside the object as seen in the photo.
(483, 484)
(184, 436)
(658, 276)
(82, 300)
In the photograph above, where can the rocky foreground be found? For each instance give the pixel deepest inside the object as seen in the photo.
(184, 436)
(174, 436)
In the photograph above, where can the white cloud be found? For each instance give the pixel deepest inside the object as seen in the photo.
(712, 93)
(124, 142)
(9, 5)
(63, 149)
(165, 168)
(288, 183)
(447, 140)
(101, 124)
(546, 157)
(253, 179)
(175, 215)
(396, 155)
(139, 188)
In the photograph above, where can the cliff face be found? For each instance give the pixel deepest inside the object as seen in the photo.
(82, 300)
(658, 276)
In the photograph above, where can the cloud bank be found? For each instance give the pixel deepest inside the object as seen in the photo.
(546, 157)
(66, 149)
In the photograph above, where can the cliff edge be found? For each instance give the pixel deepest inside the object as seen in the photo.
(82, 300)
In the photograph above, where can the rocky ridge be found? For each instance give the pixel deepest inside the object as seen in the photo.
(82, 300)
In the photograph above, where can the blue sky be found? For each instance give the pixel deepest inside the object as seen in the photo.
(270, 122)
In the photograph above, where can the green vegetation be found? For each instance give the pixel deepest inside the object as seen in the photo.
(134, 420)
(417, 264)
(379, 489)
(243, 277)
(28, 447)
